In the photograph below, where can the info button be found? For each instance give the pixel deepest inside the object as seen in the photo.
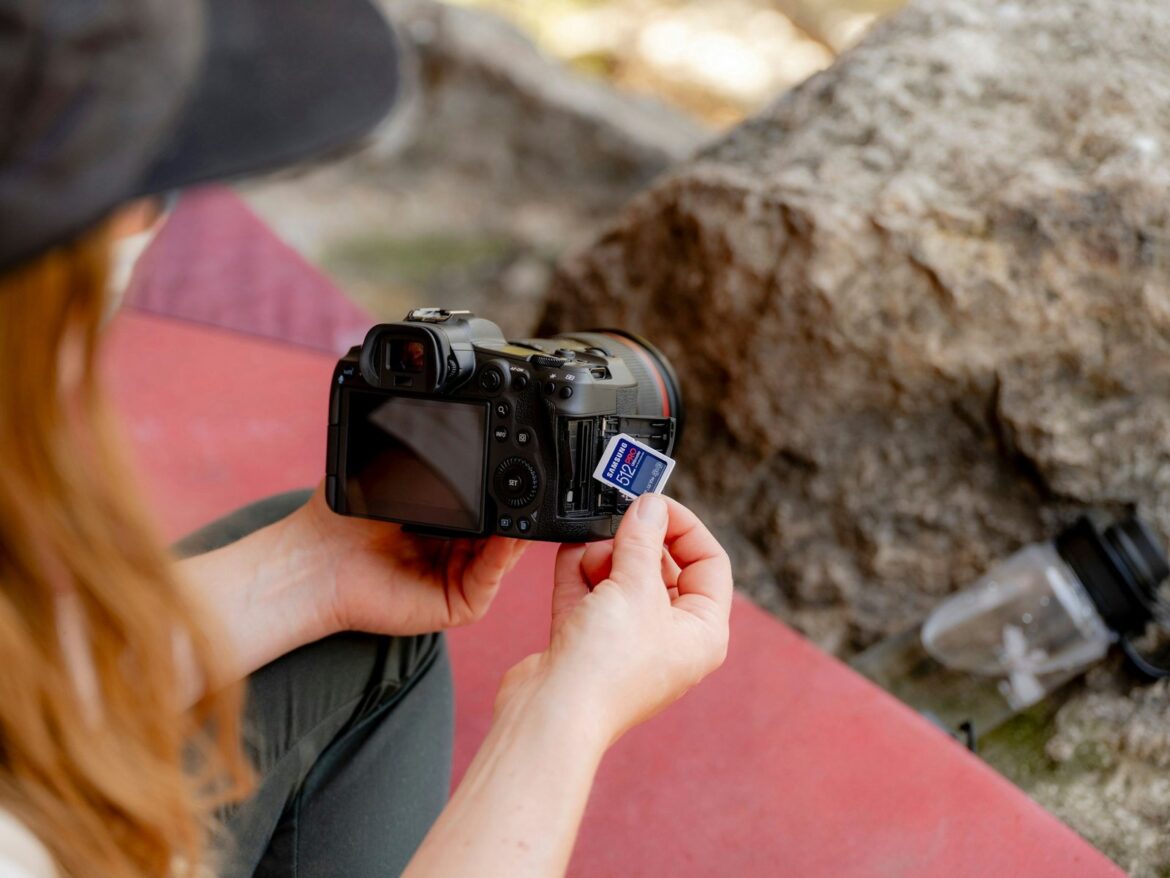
(501, 434)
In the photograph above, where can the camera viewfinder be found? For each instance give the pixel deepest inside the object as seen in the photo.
(406, 356)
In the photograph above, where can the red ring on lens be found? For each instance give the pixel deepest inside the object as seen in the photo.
(651, 366)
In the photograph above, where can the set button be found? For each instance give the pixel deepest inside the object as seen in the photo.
(516, 482)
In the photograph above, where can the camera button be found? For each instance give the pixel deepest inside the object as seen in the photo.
(519, 381)
(550, 387)
(516, 482)
(490, 379)
(505, 522)
(524, 525)
(566, 392)
(501, 434)
(503, 410)
(523, 437)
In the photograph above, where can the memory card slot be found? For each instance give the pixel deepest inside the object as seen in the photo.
(658, 433)
(579, 449)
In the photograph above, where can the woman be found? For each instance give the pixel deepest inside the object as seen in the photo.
(122, 750)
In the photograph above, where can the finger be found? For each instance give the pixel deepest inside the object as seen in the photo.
(637, 546)
(687, 537)
(494, 557)
(705, 588)
(705, 568)
(482, 573)
(597, 562)
(518, 550)
(569, 585)
(670, 570)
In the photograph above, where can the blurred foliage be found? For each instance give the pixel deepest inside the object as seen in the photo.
(416, 261)
(716, 59)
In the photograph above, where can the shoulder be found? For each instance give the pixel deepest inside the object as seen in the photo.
(21, 853)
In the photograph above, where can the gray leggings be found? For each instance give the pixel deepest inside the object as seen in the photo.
(351, 739)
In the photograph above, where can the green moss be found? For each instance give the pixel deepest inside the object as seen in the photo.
(1016, 748)
(416, 261)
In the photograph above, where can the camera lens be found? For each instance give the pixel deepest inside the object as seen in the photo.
(658, 386)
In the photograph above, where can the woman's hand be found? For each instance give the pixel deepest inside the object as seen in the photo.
(636, 621)
(377, 578)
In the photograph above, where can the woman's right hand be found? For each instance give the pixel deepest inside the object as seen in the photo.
(636, 621)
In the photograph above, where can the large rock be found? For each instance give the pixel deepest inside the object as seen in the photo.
(920, 307)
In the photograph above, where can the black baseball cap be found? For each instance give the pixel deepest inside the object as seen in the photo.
(105, 101)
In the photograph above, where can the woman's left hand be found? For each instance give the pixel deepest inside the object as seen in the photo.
(378, 578)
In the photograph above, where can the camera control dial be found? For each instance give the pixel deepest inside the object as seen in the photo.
(490, 379)
(516, 482)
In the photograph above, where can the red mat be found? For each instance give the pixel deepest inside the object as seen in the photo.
(215, 262)
(782, 763)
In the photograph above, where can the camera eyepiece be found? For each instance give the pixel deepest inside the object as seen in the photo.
(432, 351)
(409, 359)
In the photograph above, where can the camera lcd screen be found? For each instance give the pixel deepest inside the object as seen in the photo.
(418, 461)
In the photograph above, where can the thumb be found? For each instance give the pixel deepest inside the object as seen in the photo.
(491, 559)
(637, 545)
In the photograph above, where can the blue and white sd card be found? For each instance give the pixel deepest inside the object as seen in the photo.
(633, 468)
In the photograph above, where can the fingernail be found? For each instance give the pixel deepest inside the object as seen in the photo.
(651, 508)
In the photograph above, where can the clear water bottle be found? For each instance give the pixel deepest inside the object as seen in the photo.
(1026, 627)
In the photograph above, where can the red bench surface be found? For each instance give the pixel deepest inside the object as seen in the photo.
(783, 762)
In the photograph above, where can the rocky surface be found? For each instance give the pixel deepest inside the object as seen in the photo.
(920, 307)
(496, 159)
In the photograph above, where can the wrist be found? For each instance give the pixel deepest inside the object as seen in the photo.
(533, 693)
(300, 579)
(265, 592)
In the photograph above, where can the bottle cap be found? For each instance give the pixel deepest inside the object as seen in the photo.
(1121, 569)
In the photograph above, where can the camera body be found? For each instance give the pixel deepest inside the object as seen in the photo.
(441, 424)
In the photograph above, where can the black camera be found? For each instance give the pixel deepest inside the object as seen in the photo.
(441, 424)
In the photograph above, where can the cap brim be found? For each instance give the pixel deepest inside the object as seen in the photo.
(280, 82)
